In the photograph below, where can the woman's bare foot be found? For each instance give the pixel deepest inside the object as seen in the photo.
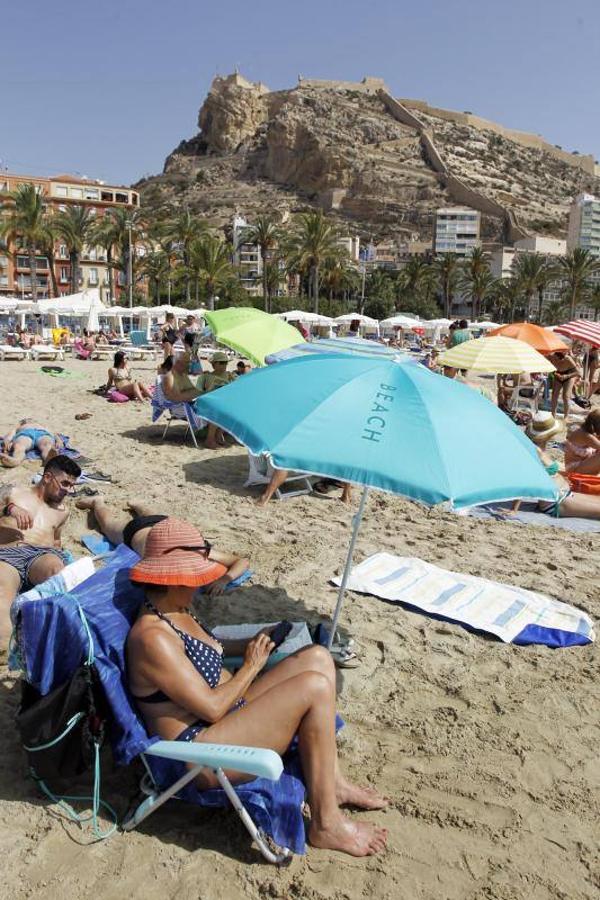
(211, 446)
(349, 794)
(354, 838)
(9, 461)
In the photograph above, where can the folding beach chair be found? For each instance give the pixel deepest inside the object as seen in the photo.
(177, 412)
(60, 635)
(8, 351)
(260, 471)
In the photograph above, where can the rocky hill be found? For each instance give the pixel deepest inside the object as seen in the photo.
(377, 163)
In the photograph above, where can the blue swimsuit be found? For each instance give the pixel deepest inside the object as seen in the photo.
(207, 661)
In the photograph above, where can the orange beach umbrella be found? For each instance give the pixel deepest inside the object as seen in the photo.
(539, 338)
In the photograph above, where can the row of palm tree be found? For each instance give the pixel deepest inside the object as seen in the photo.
(182, 252)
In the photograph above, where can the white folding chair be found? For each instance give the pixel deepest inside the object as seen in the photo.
(260, 471)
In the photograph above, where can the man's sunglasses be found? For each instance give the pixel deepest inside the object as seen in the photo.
(68, 486)
(202, 548)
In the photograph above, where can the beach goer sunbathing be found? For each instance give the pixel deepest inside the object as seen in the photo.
(134, 529)
(570, 504)
(177, 678)
(210, 381)
(31, 520)
(122, 380)
(169, 334)
(280, 476)
(178, 387)
(27, 435)
(582, 448)
(567, 373)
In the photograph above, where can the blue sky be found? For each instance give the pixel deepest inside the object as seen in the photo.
(109, 89)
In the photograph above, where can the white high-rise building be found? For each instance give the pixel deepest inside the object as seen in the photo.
(457, 230)
(584, 224)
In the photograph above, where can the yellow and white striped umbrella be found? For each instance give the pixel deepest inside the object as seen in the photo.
(497, 355)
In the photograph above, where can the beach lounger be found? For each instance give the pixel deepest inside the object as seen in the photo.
(176, 412)
(141, 345)
(46, 351)
(88, 627)
(7, 351)
(260, 471)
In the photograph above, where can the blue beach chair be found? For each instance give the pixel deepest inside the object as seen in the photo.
(177, 412)
(56, 635)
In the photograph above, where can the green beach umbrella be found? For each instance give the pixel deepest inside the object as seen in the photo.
(252, 332)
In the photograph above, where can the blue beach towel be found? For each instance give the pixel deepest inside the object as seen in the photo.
(66, 451)
(528, 514)
(53, 641)
(511, 613)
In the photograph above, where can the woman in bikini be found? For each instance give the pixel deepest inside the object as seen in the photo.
(177, 677)
(582, 449)
(567, 373)
(119, 377)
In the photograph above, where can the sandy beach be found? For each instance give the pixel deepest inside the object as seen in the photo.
(488, 751)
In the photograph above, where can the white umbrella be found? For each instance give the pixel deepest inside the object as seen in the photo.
(301, 315)
(357, 317)
(484, 326)
(401, 321)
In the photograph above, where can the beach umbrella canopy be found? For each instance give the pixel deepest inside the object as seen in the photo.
(484, 326)
(581, 330)
(309, 318)
(357, 317)
(400, 321)
(383, 424)
(497, 355)
(539, 338)
(332, 345)
(253, 333)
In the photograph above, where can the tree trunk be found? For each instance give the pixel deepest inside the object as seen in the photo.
(73, 257)
(540, 304)
(186, 265)
(572, 304)
(474, 308)
(263, 256)
(157, 291)
(211, 301)
(110, 274)
(316, 289)
(33, 274)
(53, 281)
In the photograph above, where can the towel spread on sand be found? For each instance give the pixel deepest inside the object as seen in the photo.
(513, 614)
(529, 515)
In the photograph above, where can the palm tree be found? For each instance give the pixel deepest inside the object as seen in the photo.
(266, 235)
(114, 235)
(476, 279)
(183, 231)
(410, 281)
(74, 227)
(27, 223)
(576, 268)
(506, 293)
(594, 300)
(105, 233)
(156, 267)
(210, 257)
(554, 312)
(313, 240)
(447, 269)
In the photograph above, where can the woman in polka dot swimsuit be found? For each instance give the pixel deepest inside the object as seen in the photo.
(177, 677)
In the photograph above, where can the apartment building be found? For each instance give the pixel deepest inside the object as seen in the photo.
(59, 192)
(247, 258)
(584, 224)
(457, 230)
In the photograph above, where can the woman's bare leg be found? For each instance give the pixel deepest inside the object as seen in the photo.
(589, 466)
(583, 506)
(277, 479)
(109, 524)
(145, 391)
(317, 659)
(211, 438)
(304, 704)
(556, 387)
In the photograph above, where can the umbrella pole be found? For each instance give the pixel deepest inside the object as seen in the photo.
(357, 519)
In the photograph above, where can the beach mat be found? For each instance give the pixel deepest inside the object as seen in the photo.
(511, 613)
(528, 514)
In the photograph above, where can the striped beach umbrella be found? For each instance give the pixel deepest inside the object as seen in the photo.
(581, 330)
(496, 355)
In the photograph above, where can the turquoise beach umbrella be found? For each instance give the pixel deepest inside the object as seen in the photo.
(380, 423)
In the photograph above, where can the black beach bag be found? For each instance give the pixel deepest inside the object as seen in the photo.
(61, 730)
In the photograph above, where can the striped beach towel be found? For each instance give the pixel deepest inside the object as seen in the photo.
(513, 614)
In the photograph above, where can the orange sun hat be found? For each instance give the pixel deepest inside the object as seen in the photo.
(176, 553)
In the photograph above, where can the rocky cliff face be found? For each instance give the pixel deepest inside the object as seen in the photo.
(342, 149)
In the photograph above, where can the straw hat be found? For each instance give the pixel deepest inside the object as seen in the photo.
(542, 427)
(176, 553)
(219, 356)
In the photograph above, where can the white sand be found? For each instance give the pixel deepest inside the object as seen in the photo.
(490, 752)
